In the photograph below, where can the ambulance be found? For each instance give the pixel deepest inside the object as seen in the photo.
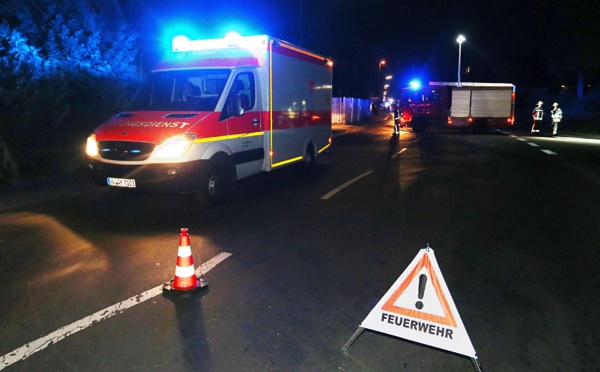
(216, 111)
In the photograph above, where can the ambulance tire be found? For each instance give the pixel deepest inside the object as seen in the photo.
(309, 159)
(217, 182)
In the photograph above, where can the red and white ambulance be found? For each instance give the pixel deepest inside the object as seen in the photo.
(215, 111)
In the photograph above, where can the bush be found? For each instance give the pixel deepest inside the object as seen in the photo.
(63, 72)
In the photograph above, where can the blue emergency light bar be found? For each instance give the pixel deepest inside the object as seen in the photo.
(231, 40)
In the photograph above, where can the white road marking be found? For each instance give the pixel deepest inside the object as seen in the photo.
(340, 188)
(549, 152)
(398, 153)
(61, 333)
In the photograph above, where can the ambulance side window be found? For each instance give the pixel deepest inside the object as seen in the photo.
(242, 96)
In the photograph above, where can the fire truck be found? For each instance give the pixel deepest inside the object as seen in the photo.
(213, 112)
(465, 105)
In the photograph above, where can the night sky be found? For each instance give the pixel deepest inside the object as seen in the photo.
(509, 41)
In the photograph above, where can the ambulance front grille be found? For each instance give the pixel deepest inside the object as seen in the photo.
(125, 150)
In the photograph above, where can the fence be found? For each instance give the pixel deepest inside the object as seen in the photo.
(346, 110)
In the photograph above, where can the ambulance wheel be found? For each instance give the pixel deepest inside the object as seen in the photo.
(309, 157)
(217, 182)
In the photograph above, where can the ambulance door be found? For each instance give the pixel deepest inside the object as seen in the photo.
(244, 127)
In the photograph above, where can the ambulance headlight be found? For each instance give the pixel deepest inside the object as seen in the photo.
(175, 147)
(91, 147)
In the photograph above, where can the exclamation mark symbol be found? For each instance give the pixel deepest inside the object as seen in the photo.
(422, 283)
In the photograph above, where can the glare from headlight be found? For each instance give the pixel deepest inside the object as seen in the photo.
(91, 147)
(174, 147)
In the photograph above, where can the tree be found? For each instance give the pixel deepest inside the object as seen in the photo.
(574, 48)
(59, 60)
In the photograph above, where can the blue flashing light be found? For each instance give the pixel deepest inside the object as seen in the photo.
(415, 84)
(233, 38)
(176, 31)
(180, 43)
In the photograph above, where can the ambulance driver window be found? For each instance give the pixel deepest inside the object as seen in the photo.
(241, 97)
(245, 88)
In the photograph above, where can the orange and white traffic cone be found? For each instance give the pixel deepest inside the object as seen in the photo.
(185, 275)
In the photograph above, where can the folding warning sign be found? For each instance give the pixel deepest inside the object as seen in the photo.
(419, 307)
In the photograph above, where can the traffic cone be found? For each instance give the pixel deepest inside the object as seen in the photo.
(185, 275)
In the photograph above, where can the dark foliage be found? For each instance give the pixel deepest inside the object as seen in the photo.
(63, 70)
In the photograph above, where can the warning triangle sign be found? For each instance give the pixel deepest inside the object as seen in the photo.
(419, 307)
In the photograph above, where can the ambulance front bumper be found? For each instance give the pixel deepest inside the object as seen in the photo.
(170, 178)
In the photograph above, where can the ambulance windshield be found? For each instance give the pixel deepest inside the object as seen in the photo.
(189, 90)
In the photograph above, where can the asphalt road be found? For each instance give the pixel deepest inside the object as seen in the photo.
(296, 261)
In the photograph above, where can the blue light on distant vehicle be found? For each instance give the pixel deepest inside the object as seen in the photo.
(415, 84)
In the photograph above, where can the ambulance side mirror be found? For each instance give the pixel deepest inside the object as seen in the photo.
(235, 105)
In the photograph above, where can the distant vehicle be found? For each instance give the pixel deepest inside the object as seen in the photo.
(468, 105)
(215, 111)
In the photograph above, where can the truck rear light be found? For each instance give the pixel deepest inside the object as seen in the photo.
(470, 119)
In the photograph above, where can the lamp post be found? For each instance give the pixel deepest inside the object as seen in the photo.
(459, 40)
(381, 63)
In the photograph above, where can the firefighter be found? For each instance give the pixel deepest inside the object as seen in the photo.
(397, 119)
(556, 115)
(538, 116)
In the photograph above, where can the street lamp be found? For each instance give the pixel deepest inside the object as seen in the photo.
(459, 40)
(381, 63)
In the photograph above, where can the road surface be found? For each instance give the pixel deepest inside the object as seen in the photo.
(295, 261)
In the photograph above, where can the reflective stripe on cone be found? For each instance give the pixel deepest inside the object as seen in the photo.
(185, 274)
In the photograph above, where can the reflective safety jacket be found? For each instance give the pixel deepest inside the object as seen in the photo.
(538, 113)
(556, 115)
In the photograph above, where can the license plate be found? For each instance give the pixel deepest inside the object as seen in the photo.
(121, 182)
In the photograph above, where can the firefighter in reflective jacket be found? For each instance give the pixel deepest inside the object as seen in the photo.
(397, 120)
(556, 115)
(538, 116)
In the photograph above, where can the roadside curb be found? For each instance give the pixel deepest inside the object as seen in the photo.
(32, 191)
